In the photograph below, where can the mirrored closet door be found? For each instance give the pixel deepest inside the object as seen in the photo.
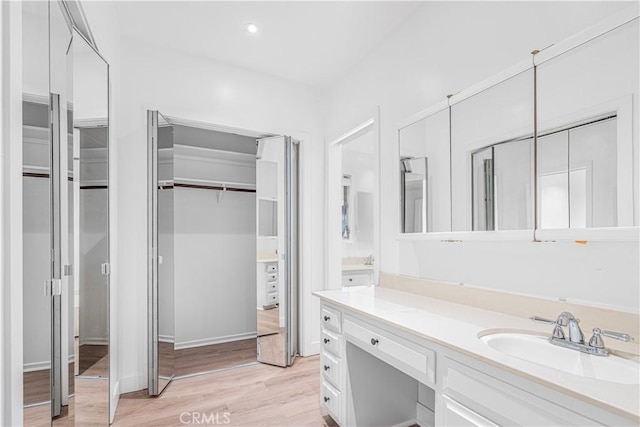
(65, 222)
(161, 251)
(277, 250)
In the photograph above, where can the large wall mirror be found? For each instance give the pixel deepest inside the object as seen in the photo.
(588, 139)
(353, 200)
(66, 222)
(492, 157)
(358, 208)
(545, 153)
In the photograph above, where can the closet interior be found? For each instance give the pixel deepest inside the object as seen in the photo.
(215, 255)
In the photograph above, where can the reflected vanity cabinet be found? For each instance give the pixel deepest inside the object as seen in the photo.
(267, 285)
(373, 372)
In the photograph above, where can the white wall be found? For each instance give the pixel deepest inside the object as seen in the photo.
(199, 89)
(443, 48)
(11, 214)
(215, 266)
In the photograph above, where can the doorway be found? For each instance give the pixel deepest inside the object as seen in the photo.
(230, 215)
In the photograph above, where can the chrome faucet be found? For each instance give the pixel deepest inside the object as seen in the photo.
(575, 340)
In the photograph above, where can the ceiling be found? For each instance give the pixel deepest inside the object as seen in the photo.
(313, 43)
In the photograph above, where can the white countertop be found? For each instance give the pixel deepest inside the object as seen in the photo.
(456, 326)
(357, 267)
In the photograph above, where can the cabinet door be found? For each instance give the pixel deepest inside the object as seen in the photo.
(455, 414)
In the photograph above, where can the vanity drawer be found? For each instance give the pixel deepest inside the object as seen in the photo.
(503, 403)
(331, 399)
(272, 298)
(331, 319)
(272, 287)
(272, 277)
(272, 268)
(356, 279)
(409, 357)
(331, 342)
(330, 368)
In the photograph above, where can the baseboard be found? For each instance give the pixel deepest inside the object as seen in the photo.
(166, 338)
(40, 366)
(216, 340)
(94, 341)
(312, 349)
(425, 417)
(132, 383)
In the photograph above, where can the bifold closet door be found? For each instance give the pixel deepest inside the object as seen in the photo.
(161, 249)
(277, 250)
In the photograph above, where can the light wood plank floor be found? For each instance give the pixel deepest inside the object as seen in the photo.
(216, 356)
(255, 395)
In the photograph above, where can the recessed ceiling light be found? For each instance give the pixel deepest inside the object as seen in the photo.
(252, 28)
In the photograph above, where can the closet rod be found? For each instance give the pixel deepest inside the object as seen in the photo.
(70, 179)
(214, 187)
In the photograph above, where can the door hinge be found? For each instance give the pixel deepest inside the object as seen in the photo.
(105, 269)
(52, 287)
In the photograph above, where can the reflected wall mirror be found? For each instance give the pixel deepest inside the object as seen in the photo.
(66, 222)
(353, 200)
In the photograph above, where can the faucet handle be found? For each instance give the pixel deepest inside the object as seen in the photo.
(558, 333)
(597, 341)
(617, 335)
(538, 319)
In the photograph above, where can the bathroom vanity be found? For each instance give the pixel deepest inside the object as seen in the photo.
(390, 357)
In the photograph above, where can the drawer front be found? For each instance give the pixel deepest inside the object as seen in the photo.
(416, 360)
(331, 399)
(331, 319)
(356, 279)
(503, 403)
(272, 277)
(272, 287)
(330, 367)
(331, 342)
(455, 414)
(272, 298)
(272, 268)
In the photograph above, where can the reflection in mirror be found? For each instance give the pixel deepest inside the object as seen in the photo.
(90, 244)
(414, 194)
(35, 221)
(357, 211)
(491, 157)
(501, 186)
(425, 172)
(577, 176)
(588, 143)
(267, 218)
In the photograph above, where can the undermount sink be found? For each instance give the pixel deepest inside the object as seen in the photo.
(537, 349)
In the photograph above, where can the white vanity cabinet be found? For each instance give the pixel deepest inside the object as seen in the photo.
(331, 362)
(472, 398)
(378, 373)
